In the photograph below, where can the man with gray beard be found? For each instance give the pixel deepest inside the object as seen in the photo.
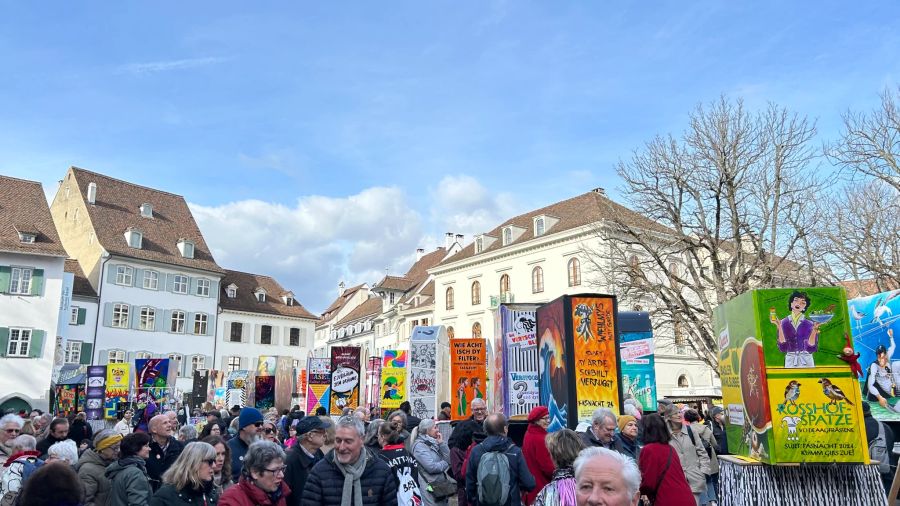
(249, 422)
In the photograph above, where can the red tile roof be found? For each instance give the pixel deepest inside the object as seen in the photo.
(23, 208)
(339, 302)
(864, 287)
(245, 300)
(118, 207)
(400, 283)
(80, 285)
(370, 307)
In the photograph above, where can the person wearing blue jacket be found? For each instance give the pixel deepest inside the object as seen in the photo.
(520, 478)
(249, 422)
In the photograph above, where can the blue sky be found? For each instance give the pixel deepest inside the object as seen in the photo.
(337, 138)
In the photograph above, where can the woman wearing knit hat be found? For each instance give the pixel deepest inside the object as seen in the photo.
(92, 465)
(627, 436)
(534, 449)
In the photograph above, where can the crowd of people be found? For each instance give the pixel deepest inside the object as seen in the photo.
(246, 457)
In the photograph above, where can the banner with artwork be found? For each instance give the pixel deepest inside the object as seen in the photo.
(318, 386)
(265, 392)
(596, 355)
(95, 393)
(423, 376)
(468, 375)
(636, 350)
(68, 400)
(151, 380)
(393, 379)
(345, 385)
(237, 388)
(516, 356)
(875, 322)
(554, 369)
(284, 382)
(117, 386)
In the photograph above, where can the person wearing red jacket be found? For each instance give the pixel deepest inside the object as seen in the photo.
(662, 478)
(534, 448)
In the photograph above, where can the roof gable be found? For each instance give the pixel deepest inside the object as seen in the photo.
(245, 299)
(23, 208)
(81, 285)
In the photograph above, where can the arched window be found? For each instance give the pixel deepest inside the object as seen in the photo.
(683, 381)
(574, 269)
(476, 293)
(504, 284)
(449, 297)
(476, 330)
(537, 280)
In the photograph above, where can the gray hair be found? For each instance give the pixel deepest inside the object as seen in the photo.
(399, 413)
(12, 418)
(601, 414)
(477, 400)
(23, 443)
(260, 455)
(189, 432)
(372, 431)
(630, 473)
(64, 450)
(425, 425)
(352, 422)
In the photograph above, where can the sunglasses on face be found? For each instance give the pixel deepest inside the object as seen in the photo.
(269, 430)
(211, 462)
(12, 431)
(258, 424)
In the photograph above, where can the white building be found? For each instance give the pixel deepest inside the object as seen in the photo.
(82, 318)
(155, 277)
(347, 301)
(31, 284)
(537, 257)
(259, 317)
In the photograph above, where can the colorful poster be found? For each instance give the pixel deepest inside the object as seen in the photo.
(284, 381)
(553, 378)
(802, 328)
(237, 387)
(68, 400)
(874, 323)
(468, 375)
(636, 350)
(266, 366)
(95, 393)
(595, 355)
(301, 382)
(345, 367)
(117, 384)
(373, 382)
(393, 379)
(265, 393)
(423, 377)
(318, 389)
(516, 352)
(151, 380)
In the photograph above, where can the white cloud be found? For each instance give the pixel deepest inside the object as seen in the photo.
(312, 246)
(165, 66)
(461, 204)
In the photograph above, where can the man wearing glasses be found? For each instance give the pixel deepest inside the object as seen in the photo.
(250, 421)
(304, 455)
(350, 475)
(10, 426)
(461, 439)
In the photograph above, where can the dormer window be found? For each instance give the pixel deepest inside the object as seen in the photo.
(186, 248)
(288, 299)
(231, 291)
(507, 236)
(134, 238)
(260, 295)
(26, 237)
(539, 226)
(479, 244)
(146, 210)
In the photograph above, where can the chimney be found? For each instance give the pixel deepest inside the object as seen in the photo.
(459, 239)
(600, 191)
(419, 254)
(448, 240)
(92, 193)
(341, 287)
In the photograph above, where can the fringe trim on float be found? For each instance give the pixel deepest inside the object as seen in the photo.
(764, 485)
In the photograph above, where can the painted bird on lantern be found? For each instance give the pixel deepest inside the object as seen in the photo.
(792, 392)
(833, 392)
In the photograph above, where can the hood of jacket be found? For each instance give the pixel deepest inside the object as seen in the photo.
(121, 465)
(496, 443)
(90, 457)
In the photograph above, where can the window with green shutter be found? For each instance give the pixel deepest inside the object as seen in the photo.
(37, 343)
(87, 349)
(37, 282)
(4, 279)
(82, 315)
(4, 341)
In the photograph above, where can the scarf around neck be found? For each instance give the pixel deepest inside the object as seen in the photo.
(352, 473)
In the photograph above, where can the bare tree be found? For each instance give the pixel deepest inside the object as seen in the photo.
(734, 194)
(859, 233)
(870, 143)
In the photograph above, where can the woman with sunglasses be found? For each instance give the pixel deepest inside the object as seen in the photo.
(270, 433)
(190, 479)
(262, 478)
(222, 469)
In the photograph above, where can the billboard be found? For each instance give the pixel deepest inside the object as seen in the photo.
(95, 393)
(515, 360)
(874, 323)
(151, 380)
(423, 374)
(318, 383)
(393, 379)
(636, 350)
(468, 375)
(117, 385)
(345, 385)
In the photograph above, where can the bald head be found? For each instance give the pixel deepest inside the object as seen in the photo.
(495, 425)
(160, 426)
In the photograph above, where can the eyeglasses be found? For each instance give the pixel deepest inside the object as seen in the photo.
(258, 424)
(211, 462)
(12, 431)
(269, 431)
(277, 470)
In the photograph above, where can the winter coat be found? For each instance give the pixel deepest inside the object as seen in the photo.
(130, 483)
(161, 460)
(12, 471)
(80, 431)
(325, 484)
(693, 458)
(44, 444)
(537, 456)
(560, 491)
(461, 437)
(704, 433)
(590, 440)
(245, 493)
(627, 446)
(167, 495)
(92, 474)
(298, 465)
(434, 460)
(520, 477)
(721, 438)
(238, 449)
(404, 467)
(5, 452)
(674, 489)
